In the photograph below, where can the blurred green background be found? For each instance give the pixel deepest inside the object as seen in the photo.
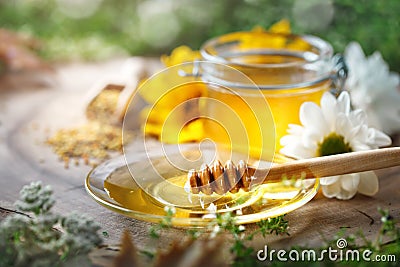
(99, 29)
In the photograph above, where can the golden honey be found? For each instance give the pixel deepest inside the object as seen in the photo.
(257, 85)
(251, 127)
(140, 203)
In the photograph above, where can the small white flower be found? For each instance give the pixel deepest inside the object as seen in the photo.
(215, 231)
(241, 228)
(212, 212)
(333, 129)
(169, 209)
(373, 88)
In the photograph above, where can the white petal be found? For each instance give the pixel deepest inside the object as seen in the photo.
(345, 195)
(359, 146)
(369, 184)
(354, 53)
(289, 139)
(349, 182)
(360, 135)
(312, 118)
(343, 126)
(311, 138)
(329, 180)
(331, 190)
(378, 138)
(295, 151)
(358, 117)
(329, 110)
(295, 129)
(354, 132)
(343, 102)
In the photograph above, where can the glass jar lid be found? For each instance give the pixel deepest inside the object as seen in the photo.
(271, 60)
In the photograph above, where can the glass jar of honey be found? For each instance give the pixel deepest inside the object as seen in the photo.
(283, 71)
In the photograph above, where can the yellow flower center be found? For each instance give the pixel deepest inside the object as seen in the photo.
(333, 144)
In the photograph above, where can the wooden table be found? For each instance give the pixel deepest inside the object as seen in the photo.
(29, 114)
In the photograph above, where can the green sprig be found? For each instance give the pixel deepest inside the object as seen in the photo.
(32, 239)
(165, 223)
(277, 225)
(244, 255)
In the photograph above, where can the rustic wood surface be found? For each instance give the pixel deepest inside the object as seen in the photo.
(32, 107)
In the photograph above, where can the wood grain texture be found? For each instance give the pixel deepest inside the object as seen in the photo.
(29, 115)
(337, 164)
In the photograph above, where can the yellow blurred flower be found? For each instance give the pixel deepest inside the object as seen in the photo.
(170, 114)
(276, 37)
(282, 26)
(179, 55)
(174, 117)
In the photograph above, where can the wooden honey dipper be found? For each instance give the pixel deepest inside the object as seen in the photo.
(221, 179)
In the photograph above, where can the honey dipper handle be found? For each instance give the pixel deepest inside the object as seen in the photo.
(336, 164)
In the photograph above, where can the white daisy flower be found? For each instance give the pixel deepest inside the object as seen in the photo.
(373, 88)
(332, 129)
